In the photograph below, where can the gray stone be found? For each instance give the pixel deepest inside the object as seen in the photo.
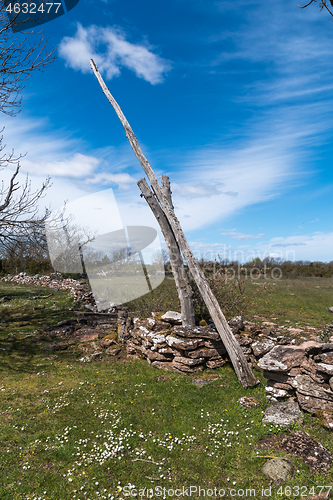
(206, 353)
(212, 364)
(331, 383)
(282, 358)
(330, 309)
(163, 365)
(248, 401)
(188, 361)
(112, 352)
(97, 355)
(200, 382)
(262, 347)
(325, 357)
(323, 367)
(202, 332)
(311, 404)
(314, 454)
(278, 470)
(236, 324)
(175, 318)
(284, 414)
(180, 367)
(184, 344)
(153, 355)
(305, 385)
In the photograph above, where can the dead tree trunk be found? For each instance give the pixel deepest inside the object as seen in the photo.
(183, 287)
(237, 358)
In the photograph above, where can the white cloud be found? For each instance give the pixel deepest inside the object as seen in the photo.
(123, 180)
(111, 51)
(241, 236)
(77, 166)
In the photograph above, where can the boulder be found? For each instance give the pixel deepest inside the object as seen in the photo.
(278, 470)
(275, 393)
(314, 454)
(175, 318)
(284, 414)
(282, 358)
(244, 340)
(261, 347)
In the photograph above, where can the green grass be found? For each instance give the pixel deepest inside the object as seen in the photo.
(304, 301)
(67, 425)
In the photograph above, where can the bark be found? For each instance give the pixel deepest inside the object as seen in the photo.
(183, 287)
(237, 358)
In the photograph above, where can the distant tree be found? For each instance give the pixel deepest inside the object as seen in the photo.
(18, 60)
(20, 223)
(322, 5)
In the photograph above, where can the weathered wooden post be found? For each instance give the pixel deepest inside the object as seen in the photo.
(238, 360)
(182, 284)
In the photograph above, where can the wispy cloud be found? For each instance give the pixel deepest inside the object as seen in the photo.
(111, 51)
(232, 233)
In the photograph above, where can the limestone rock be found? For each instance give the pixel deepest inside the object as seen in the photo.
(236, 324)
(260, 348)
(282, 378)
(112, 352)
(282, 358)
(188, 361)
(278, 470)
(275, 392)
(206, 353)
(284, 414)
(323, 367)
(310, 368)
(331, 383)
(248, 401)
(153, 355)
(163, 365)
(184, 344)
(175, 318)
(200, 382)
(186, 368)
(305, 385)
(244, 340)
(314, 454)
(325, 417)
(212, 364)
(312, 405)
(325, 357)
(203, 332)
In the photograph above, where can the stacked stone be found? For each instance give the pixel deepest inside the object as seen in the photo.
(305, 370)
(171, 347)
(78, 289)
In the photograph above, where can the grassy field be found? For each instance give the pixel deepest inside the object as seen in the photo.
(72, 430)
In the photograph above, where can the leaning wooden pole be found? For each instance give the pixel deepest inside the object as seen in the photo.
(184, 290)
(237, 358)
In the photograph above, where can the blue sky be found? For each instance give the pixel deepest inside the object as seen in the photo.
(232, 100)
